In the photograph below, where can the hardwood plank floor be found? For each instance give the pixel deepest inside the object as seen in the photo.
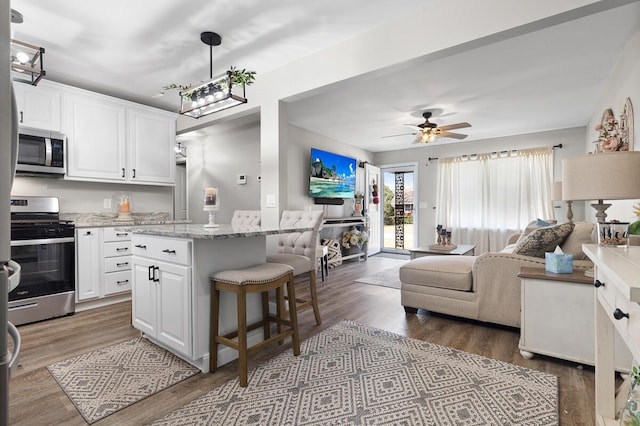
(36, 399)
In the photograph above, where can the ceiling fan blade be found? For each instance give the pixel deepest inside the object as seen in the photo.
(415, 126)
(454, 126)
(402, 134)
(452, 135)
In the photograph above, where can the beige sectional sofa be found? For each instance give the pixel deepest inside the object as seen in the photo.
(486, 287)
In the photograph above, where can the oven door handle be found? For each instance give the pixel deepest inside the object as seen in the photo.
(35, 242)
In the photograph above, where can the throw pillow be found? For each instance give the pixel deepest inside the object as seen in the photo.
(581, 234)
(533, 225)
(543, 240)
(335, 254)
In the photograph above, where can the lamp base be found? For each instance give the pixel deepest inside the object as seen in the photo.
(600, 208)
(569, 211)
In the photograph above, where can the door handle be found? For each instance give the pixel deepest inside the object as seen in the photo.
(169, 251)
(134, 173)
(87, 233)
(123, 282)
(151, 273)
(21, 117)
(155, 279)
(123, 234)
(140, 246)
(122, 264)
(122, 248)
(123, 172)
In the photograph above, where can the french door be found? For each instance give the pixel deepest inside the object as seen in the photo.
(400, 228)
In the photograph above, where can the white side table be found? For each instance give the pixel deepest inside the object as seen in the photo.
(558, 317)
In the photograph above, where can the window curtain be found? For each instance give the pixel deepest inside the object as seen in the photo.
(485, 198)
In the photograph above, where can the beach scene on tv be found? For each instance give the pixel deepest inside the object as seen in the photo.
(332, 175)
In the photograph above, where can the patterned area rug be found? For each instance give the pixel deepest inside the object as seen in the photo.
(102, 382)
(387, 278)
(353, 374)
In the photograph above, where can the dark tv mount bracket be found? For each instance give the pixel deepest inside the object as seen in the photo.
(331, 201)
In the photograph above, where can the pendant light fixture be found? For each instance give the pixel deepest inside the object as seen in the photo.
(215, 95)
(26, 59)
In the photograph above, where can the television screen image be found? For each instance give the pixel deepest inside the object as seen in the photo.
(332, 175)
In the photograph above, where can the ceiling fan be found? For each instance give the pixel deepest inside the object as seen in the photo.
(428, 131)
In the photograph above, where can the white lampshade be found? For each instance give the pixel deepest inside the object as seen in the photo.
(603, 176)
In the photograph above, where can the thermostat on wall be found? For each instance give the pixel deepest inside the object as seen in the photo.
(242, 179)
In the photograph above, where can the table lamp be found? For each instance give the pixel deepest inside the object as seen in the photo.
(211, 204)
(556, 195)
(602, 176)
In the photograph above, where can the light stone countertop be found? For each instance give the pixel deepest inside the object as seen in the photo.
(198, 231)
(97, 220)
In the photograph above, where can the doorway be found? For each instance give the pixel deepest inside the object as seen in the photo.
(399, 213)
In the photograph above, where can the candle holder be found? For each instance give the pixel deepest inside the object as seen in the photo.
(211, 205)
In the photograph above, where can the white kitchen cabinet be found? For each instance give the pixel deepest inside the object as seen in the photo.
(151, 140)
(113, 140)
(116, 253)
(38, 106)
(96, 137)
(88, 263)
(162, 291)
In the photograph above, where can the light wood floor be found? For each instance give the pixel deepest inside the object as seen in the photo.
(36, 399)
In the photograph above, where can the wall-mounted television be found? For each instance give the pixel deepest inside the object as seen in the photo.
(332, 176)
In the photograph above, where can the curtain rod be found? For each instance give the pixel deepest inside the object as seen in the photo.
(430, 159)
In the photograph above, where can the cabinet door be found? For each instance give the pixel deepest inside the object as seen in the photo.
(95, 129)
(174, 307)
(38, 106)
(151, 153)
(143, 296)
(88, 263)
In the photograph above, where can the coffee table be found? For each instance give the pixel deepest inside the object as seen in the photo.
(461, 250)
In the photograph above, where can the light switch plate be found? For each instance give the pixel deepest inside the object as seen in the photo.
(271, 200)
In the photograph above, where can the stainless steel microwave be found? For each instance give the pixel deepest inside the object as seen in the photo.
(41, 152)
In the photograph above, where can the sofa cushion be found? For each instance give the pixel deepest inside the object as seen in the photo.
(543, 240)
(582, 234)
(450, 272)
(533, 225)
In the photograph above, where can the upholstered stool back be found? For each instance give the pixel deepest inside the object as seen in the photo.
(301, 243)
(246, 218)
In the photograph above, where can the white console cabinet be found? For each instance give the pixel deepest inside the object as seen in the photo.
(336, 227)
(617, 311)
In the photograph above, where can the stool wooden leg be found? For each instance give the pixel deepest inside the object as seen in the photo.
(314, 296)
(242, 337)
(280, 309)
(266, 327)
(213, 332)
(322, 267)
(293, 316)
(326, 265)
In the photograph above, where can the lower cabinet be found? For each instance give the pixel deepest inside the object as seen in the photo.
(162, 295)
(103, 263)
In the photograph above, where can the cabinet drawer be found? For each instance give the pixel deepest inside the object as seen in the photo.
(171, 250)
(117, 282)
(115, 264)
(110, 234)
(117, 249)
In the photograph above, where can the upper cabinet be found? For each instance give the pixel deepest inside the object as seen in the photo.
(96, 145)
(108, 139)
(151, 141)
(38, 106)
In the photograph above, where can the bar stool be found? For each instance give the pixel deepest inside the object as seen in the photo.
(256, 279)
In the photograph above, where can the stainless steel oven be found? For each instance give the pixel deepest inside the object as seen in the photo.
(44, 247)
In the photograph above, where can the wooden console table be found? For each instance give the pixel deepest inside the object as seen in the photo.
(617, 278)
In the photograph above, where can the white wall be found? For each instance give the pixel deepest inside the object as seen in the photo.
(88, 197)
(572, 141)
(623, 83)
(215, 159)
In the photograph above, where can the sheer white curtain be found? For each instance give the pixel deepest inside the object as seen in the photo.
(487, 197)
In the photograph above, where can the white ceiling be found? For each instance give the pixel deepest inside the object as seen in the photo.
(544, 80)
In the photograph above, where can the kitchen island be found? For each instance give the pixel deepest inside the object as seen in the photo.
(171, 289)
